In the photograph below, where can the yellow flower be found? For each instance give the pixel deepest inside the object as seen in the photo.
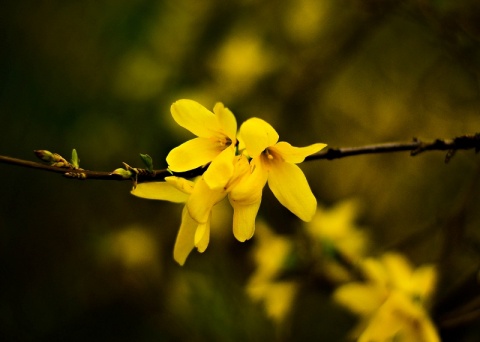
(244, 189)
(276, 161)
(392, 302)
(271, 252)
(229, 173)
(215, 142)
(191, 233)
(337, 242)
(336, 227)
(244, 194)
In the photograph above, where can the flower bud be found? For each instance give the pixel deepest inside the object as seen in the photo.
(45, 155)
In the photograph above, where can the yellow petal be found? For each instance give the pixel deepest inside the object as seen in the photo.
(244, 219)
(202, 236)
(290, 187)
(374, 271)
(359, 298)
(195, 118)
(257, 135)
(384, 326)
(220, 170)
(192, 154)
(241, 168)
(202, 200)
(182, 184)
(185, 238)
(294, 154)
(426, 331)
(249, 188)
(399, 317)
(399, 270)
(227, 121)
(159, 191)
(424, 279)
(277, 297)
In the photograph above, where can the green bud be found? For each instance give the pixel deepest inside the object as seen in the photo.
(75, 160)
(45, 155)
(126, 174)
(147, 160)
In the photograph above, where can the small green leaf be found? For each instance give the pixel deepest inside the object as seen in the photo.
(126, 174)
(75, 161)
(147, 160)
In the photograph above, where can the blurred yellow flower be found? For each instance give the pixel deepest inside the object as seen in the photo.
(392, 302)
(336, 227)
(276, 160)
(336, 239)
(215, 142)
(271, 253)
(241, 61)
(134, 247)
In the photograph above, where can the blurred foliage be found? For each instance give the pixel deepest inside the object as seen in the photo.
(88, 261)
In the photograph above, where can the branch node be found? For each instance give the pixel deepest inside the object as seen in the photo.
(76, 175)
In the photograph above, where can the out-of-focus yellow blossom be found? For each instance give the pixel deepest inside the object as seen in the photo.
(215, 142)
(241, 62)
(305, 20)
(132, 247)
(276, 160)
(271, 253)
(392, 302)
(334, 235)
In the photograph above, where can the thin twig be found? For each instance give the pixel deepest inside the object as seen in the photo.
(142, 176)
(415, 147)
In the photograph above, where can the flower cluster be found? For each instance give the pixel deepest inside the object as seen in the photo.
(240, 165)
(334, 245)
(390, 296)
(392, 301)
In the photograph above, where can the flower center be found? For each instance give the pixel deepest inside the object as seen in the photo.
(224, 142)
(271, 155)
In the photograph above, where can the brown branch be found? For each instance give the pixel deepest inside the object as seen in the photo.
(63, 170)
(142, 175)
(415, 147)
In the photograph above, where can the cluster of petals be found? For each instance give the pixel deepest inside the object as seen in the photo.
(239, 166)
(392, 302)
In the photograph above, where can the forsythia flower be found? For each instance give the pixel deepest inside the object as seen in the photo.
(244, 191)
(229, 174)
(215, 143)
(191, 233)
(271, 253)
(194, 230)
(276, 160)
(336, 240)
(392, 301)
